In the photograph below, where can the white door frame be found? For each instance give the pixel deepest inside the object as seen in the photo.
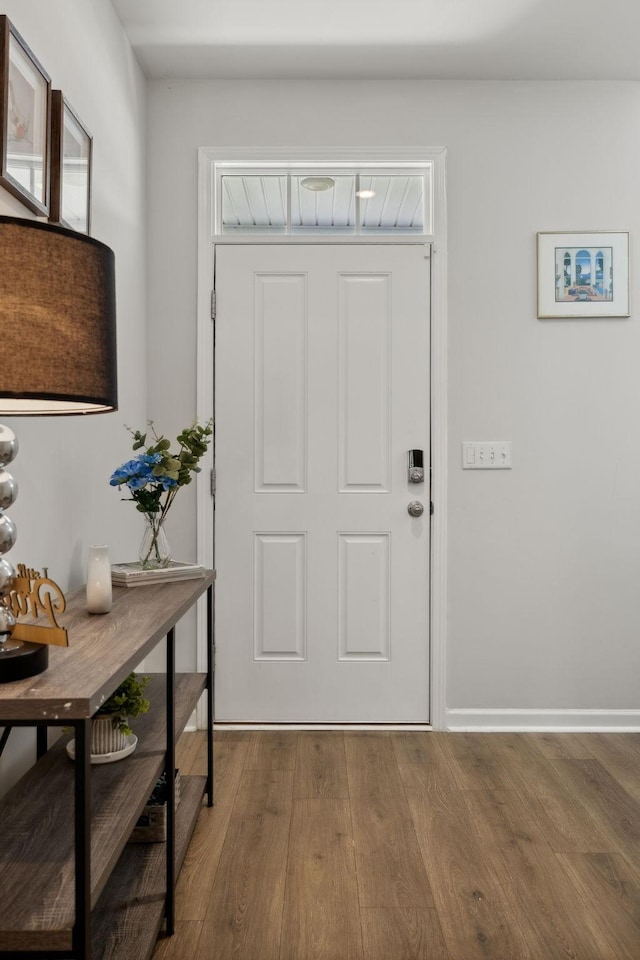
(208, 157)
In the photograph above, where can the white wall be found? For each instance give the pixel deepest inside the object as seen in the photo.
(63, 467)
(543, 560)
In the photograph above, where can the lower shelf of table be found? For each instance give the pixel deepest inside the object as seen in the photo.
(129, 914)
(37, 885)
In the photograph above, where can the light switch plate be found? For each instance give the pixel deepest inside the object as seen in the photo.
(486, 455)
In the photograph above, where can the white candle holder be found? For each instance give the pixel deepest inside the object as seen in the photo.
(99, 593)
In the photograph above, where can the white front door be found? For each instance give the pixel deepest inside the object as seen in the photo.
(321, 389)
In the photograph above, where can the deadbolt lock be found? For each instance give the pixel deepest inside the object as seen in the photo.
(416, 466)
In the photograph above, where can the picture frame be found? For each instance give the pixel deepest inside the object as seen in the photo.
(583, 274)
(71, 166)
(25, 121)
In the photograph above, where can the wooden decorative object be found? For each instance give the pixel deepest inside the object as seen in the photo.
(35, 596)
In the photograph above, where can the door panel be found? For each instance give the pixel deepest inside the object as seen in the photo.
(322, 387)
(280, 382)
(364, 401)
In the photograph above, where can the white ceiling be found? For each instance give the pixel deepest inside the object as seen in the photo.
(436, 39)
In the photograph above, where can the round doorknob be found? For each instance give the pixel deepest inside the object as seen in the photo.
(415, 508)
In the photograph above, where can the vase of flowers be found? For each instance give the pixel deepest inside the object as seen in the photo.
(153, 478)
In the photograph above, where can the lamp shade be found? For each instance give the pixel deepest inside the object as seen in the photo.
(57, 321)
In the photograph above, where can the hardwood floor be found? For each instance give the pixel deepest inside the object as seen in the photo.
(413, 846)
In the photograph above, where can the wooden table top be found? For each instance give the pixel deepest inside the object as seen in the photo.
(103, 649)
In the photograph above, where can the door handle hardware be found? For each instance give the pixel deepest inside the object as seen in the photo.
(415, 508)
(416, 466)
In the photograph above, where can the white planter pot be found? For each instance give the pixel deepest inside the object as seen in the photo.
(105, 738)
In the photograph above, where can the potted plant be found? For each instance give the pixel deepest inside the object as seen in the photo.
(110, 730)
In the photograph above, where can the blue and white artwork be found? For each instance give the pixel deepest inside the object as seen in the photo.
(584, 274)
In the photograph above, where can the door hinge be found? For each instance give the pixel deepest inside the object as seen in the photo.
(213, 483)
(213, 304)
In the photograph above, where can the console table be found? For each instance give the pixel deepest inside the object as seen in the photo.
(70, 885)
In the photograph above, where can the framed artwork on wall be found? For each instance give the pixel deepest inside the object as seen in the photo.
(583, 274)
(71, 158)
(25, 121)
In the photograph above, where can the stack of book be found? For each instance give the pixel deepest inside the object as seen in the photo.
(152, 822)
(134, 575)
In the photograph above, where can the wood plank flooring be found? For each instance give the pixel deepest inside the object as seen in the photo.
(413, 846)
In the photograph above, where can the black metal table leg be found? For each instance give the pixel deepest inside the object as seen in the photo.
(82, 926)
(210, 681)
(170, 774)
(42, 741)
(6, 733)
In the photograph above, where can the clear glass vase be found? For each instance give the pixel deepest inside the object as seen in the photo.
(154, 549)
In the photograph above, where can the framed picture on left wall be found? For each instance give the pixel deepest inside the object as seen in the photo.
(25, 121)
(71, 161)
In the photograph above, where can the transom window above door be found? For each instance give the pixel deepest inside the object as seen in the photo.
(318, 200)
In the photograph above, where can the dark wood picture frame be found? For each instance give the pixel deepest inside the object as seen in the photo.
(71, 166)
(25, 121)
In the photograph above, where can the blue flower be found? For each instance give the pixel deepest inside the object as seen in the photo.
(150, 458)
(155, 474)
(119, 476)
(137, 483)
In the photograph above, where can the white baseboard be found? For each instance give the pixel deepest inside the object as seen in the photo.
(192, 724)
(533, 721)
(294, 727)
